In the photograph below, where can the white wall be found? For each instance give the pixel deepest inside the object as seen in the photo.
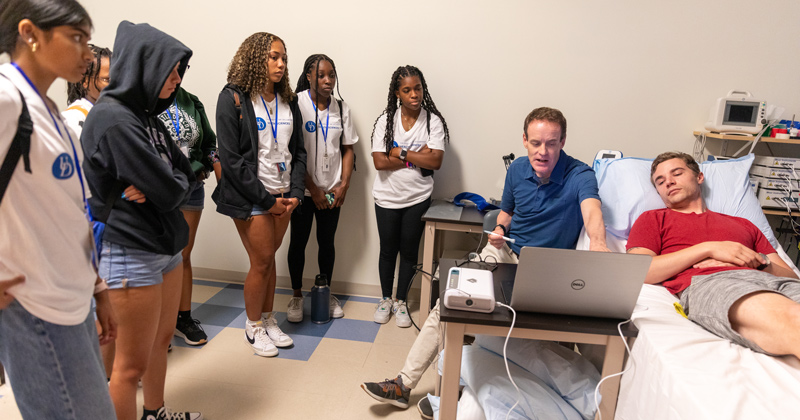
(630, 75)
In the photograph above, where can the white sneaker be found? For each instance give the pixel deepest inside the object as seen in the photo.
(295, 311)
(164, 413)
(383, 311)
(401, 317)
(336, 308)
(258, 340)
(278, 337)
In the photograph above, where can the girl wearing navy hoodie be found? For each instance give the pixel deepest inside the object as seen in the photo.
(139, 179)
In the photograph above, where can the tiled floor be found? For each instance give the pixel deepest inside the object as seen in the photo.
(317, 378)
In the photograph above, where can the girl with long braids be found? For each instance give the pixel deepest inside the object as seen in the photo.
(263, 169)
(407, 145)
(329, 138)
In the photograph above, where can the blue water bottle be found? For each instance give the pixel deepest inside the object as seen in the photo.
(320, 300)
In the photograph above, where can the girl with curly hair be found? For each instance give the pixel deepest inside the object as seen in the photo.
(407, 146)
(263, 168)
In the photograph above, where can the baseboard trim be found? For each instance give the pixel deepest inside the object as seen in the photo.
(347, 288)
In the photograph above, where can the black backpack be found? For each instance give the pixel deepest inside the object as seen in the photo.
(20, 147)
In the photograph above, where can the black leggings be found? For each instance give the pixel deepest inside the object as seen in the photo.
(327, 221)
(400, 231)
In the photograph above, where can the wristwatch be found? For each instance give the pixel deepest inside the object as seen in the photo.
(766, 264)
(403, 154)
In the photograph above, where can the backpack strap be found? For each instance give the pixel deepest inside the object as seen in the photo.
(20, 146)
(79, 108)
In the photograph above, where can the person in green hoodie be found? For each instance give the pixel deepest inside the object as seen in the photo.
(188, 126)
(139, 179)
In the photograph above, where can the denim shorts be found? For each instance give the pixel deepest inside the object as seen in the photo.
(258, 210)
(196, 198)
(123, 267)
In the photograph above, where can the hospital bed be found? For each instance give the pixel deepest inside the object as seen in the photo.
(680, 370)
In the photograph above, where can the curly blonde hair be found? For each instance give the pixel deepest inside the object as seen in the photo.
(248, 69)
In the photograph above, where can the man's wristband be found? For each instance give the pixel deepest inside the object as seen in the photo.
(501, 226)
(100, 287)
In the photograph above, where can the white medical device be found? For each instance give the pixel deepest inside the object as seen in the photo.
(737, 113)
(470, 289)
(608, 154)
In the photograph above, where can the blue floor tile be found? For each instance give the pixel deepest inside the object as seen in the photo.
(304, 328)
(354, 330)
(235, 286)
(302, 349)
(218, 315)
(227, 297)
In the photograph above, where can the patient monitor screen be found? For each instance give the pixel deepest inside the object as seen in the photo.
(740, 113)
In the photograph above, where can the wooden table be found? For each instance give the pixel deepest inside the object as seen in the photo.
(538, 326)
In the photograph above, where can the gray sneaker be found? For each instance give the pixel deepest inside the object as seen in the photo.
(390, 391)
(336, 308)
(295, 311)
(383, 311)
(425, 409)
(401, 317)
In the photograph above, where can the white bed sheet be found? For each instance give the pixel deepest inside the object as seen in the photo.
(684, 372)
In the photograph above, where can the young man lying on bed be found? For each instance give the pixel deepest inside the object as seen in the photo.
(728, 277)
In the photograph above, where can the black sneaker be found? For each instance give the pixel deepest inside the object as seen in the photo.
(165, 413)
(425, 409)
(390, 391)
(190, 330)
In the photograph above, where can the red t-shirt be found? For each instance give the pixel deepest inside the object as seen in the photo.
(665, 231)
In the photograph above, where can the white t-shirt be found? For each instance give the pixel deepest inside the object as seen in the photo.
(74, 117)
(405, 187)
(316, 145)
(272, 152)
(44, 233)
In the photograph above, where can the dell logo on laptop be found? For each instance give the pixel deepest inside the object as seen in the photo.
(578, 284)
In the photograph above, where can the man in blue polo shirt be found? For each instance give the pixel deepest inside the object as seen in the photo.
(548, 197)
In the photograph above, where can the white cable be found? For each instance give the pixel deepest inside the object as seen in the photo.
(633, 362)
(505, 358)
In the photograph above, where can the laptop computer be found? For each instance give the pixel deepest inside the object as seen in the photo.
(583, 283)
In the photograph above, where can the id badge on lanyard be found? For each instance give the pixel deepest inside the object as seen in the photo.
(275, 153)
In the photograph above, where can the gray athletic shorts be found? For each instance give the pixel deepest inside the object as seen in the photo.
(708, 299)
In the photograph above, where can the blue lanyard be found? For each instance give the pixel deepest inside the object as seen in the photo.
(74, 151)
(327, 119)
(275, 128)
(176, 122)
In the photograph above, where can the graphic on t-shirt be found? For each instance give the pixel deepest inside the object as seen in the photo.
(262, 125)
(311, 127)
(189, 132)
(63, 166)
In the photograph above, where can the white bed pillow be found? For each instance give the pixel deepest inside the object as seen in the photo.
(626, 192)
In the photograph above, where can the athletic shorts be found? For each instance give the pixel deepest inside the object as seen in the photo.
(123, 267)
(708, 300)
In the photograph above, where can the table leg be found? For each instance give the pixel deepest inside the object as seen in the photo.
(615, 354)
(427, 266)
(453, 343)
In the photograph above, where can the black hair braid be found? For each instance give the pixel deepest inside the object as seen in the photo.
(430, 106)
(391, 105)
(77, 91)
